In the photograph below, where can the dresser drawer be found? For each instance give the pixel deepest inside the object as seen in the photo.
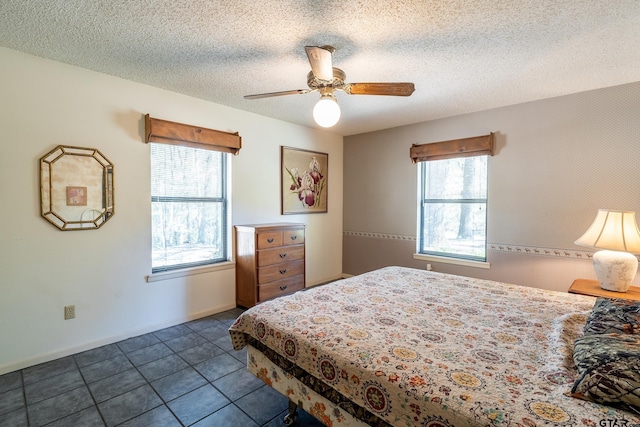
(269, 239)
(280, 271)
(280, 255)
(280, 287)
(293, 237)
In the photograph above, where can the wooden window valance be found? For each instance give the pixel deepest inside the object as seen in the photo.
(167, 132)
(464, 147)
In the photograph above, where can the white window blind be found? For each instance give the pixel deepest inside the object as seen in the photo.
(189, 202)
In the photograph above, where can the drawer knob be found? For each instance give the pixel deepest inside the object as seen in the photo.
(270, 240)
(284, 270)
(283, 287)
(283, 255)
(294, 237)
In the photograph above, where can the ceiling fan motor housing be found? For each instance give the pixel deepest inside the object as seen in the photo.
(337, 82)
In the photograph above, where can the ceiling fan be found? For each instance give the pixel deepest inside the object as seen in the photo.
(326, 79)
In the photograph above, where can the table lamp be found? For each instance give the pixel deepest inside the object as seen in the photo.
(617, 233)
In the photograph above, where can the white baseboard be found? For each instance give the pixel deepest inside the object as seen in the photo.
(108, 340)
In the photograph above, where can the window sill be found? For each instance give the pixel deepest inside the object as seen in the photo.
(455, 261)
(155, 277)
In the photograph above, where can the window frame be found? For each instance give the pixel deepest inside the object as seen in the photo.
(423, 201)
(226, 215)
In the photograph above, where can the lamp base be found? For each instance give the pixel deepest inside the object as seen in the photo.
(615, 270)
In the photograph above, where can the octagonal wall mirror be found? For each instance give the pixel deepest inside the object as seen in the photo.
(76, 188)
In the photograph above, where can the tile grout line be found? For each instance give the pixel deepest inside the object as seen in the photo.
(86, 384)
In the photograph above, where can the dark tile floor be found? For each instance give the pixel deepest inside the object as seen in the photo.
(185, 375)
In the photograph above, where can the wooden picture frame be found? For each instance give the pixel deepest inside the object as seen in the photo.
(303, 181)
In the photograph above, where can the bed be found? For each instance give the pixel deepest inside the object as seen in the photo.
(407, 347)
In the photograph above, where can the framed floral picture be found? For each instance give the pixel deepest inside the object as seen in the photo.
(303, 181)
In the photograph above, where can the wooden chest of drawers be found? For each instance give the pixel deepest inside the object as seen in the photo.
(270, 261)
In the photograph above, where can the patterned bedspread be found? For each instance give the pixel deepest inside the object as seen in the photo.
(422, 348)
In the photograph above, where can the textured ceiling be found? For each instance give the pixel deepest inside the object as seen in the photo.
(463, 56)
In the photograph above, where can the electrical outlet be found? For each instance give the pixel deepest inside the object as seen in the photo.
(69, 312)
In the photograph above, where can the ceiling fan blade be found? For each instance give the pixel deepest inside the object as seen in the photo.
(270, 94)
(392, 89)
(320, 60)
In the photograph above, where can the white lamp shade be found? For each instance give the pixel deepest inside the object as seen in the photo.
(326, 112)
(613, 230)
(616, 232)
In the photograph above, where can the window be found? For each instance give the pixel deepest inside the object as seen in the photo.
(453, 207)
(189, 204)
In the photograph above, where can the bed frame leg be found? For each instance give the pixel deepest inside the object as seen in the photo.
(292, 416)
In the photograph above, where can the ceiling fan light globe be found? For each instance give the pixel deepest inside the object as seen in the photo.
(326, 112)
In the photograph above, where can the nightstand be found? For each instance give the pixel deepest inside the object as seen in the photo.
(592, 288)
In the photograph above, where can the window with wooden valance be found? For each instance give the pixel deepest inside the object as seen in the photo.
(166, 132)
(464, 147)
(190, 188)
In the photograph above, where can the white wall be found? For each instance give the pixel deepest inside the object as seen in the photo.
(42, 269)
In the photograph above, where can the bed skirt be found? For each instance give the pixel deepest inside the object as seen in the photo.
(316, 405)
